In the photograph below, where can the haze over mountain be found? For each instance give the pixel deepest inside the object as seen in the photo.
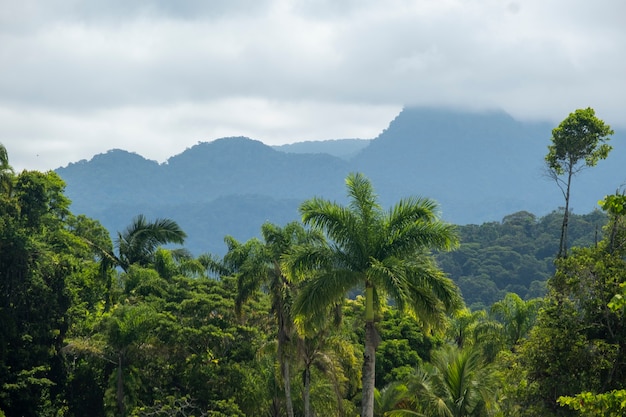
(478, 166)
(342, 148)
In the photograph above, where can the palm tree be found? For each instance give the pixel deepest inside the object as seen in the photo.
(457, 383)
(257, 264)
(170, 263)
(385, 253)
(139, 242)
(517, 316)
(6, 171)
(326, 353)
(124, 331)
(468, 328)
(390, 398)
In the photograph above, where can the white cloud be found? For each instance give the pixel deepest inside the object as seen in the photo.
(41, 139)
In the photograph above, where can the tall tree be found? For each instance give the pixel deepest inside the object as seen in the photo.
(578, 341)
(385, 253)
(37, 256)
(125, 331)
(578, 142)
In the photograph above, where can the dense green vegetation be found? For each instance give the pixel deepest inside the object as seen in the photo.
(351, 312)
(514, 255)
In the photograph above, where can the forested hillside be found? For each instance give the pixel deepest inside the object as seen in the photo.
(515, 255)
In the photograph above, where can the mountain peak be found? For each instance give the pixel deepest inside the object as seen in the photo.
(435, 123)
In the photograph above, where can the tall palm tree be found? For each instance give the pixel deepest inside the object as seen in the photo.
(325, 353)
(122, 333)
(384, 253)
(126, 330)
(257, 264)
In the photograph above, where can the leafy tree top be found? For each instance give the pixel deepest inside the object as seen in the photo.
(580, 137)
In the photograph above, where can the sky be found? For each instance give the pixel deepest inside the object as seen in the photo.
(80, 77)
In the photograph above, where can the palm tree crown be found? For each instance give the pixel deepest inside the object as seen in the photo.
(139, 242)
(371, 248)
(6, 171)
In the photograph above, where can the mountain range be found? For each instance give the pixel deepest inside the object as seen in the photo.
(479, 167)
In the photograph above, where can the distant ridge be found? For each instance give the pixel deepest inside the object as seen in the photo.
(480, 167)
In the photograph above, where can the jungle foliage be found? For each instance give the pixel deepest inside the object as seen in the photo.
(515, 255)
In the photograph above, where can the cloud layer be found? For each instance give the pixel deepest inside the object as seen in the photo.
(80, 77)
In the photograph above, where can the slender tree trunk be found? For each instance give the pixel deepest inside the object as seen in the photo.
(306, 393)
(283, 339)
(120, 387)
(564, 226)
(369, 356)
(284, 365)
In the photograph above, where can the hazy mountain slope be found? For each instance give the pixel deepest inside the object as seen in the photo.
(229, 186)
(479, 166)
(341, 148)
(111, 178)
(237, 166)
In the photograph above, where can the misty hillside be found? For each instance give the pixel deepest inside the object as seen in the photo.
(479, 166)
(342, 148)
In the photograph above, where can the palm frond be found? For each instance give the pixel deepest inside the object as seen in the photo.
(363, 200)
(423, 272)
(417, 236)
(389, 275)
(167, 231)
(301, 260)
(213, 264)
(412, 209)
(339, 223)
(390, 397)
(322, 289)
(137, 243)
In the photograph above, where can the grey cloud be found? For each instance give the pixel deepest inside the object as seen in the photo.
(358, 55)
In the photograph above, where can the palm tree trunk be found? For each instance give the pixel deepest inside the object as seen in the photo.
(306, 394)
(120, 387)
(284, 367)
(287, 381)
(284, 329)
(369, 356)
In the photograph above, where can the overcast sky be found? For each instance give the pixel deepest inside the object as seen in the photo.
(80, 77)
